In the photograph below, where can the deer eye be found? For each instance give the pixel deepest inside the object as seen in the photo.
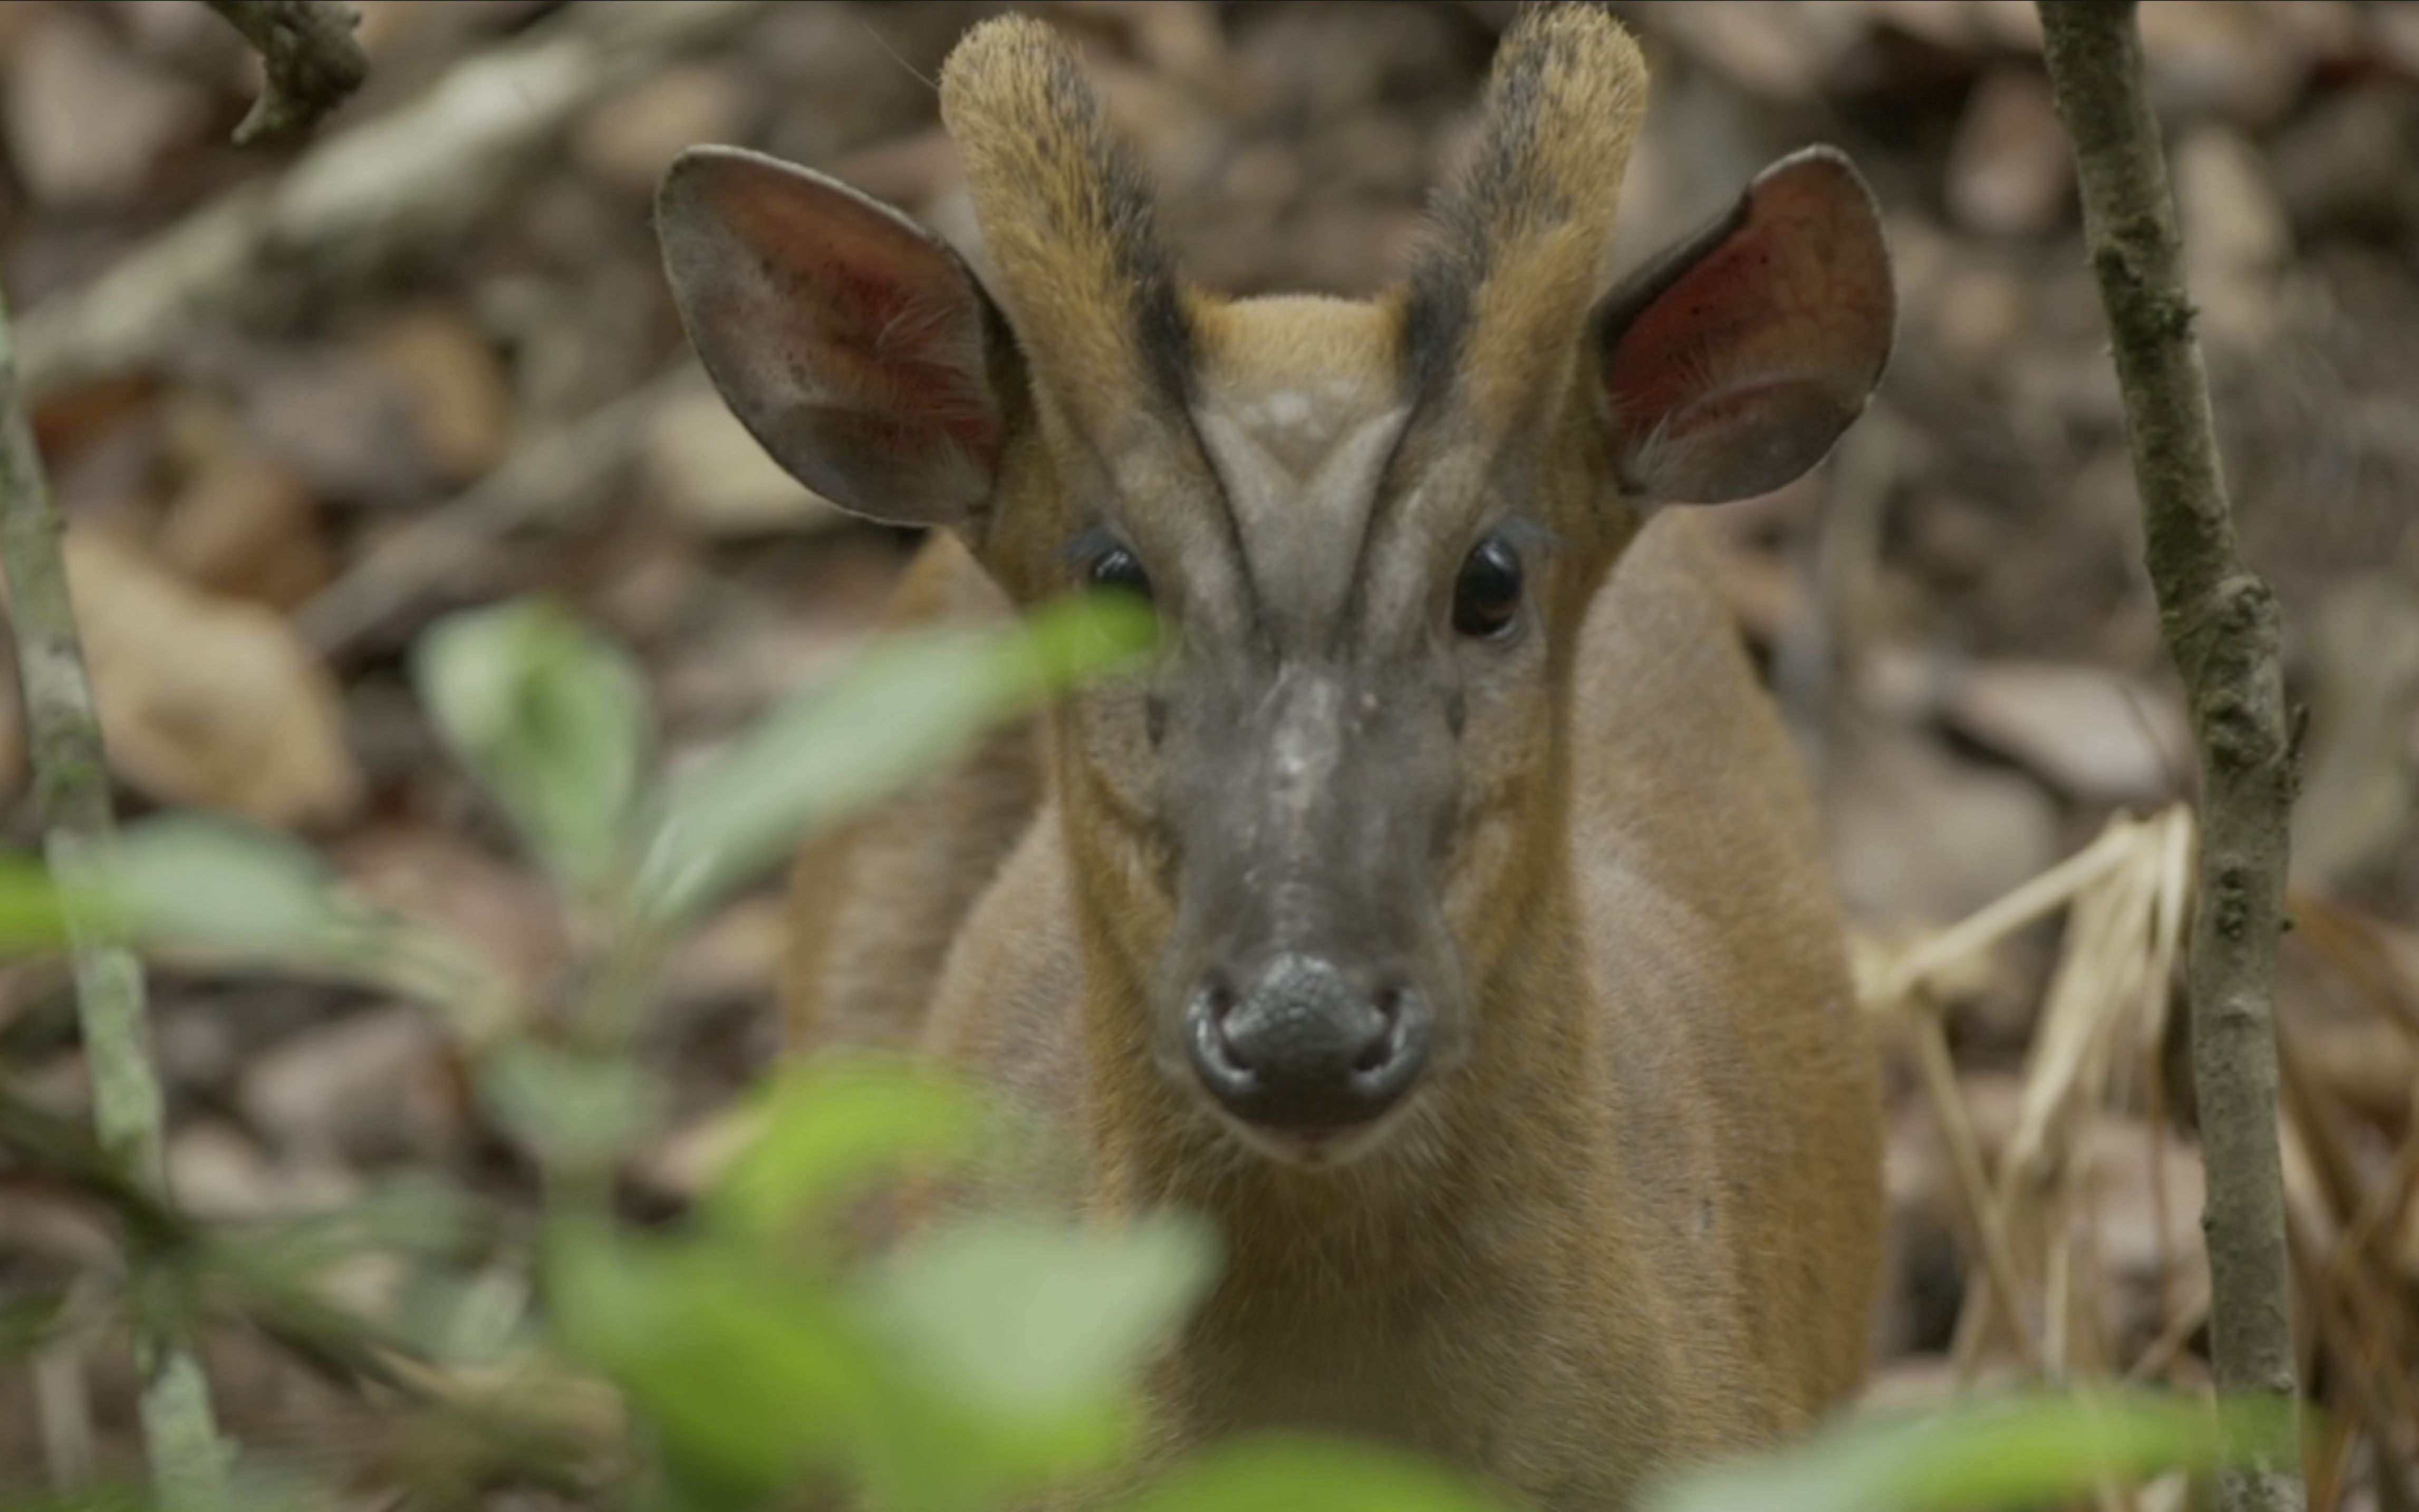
(1486, 595)
(1119, 568)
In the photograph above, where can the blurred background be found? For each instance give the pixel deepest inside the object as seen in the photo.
(299, 402)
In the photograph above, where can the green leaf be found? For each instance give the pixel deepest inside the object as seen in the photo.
(206, 885)
(1026, 1319)
(26, 1318)
(1300, 1474)
(578, 1111)
(1014, 1344)
(201, 882)
(465, 1318)
(832, 1128)
(118, 1496)
(750, 1379)
(411, 1215)
(553, 719)
(2016, 1451)
(902, 709)
(31, 919)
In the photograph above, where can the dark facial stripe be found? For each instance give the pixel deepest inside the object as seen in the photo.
(1129, 213)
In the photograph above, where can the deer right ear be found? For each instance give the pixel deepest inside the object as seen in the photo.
(1733, 363)
(850, 341)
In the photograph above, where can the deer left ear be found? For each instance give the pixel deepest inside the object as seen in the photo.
(848, 339)
(1731, 363)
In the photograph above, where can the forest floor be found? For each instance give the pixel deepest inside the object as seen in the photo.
(440, 368)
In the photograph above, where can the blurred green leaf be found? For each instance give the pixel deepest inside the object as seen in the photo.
(904, 708)
(32, 920)
(831, 1128)
(579, 1110)
(26, 1318)
(476, 1318)
(553, 718)
(1029, 1319)
(1300, 1474)
(202, 882)
(2017, 1451)
(214, 887)
(413, 1215)
(126, 1496)
(752, 1379)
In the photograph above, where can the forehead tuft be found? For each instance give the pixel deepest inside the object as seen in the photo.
(1347, 347)
(1297, 373)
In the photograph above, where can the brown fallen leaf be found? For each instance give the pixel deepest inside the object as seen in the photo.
(2010, 170)
(359, 1091)
(505, 915)
(85, 122)
(1917, 834)
(1776, 50)
(712, 476)
(2359, 780)
(628, 140)
(2089, 732)
(454, 389)
(2237, 240)
(346, 422)
(206, 700)
(246, 524)
(220, 1172)
(2225, 57)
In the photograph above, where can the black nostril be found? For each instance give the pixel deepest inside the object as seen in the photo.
(1385, 1041)
(1306, 1043)
(1206, 1043)
(1217, 1000)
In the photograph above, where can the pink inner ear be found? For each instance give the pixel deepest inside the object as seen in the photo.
(879, 311)
(1745, 369)
(850, 342)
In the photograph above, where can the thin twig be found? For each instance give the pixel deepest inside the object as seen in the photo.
(2183, 1323)
(363, 199)
(2221, 625)
(71, 787)
(2376, 1389)
(1982, 1217)
(2350, 944)
(2002, 916)
(309, 62)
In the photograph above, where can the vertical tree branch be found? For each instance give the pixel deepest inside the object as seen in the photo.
(2221, 625)
(71, 787)
(309, 62)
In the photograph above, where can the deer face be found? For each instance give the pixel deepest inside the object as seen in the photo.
(1371, 530)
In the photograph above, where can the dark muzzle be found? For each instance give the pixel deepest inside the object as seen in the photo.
(1299, 1043)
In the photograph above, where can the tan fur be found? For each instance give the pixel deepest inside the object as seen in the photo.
(1065, 214)
(1636, 1225)
(1535, 260)
(875, 903)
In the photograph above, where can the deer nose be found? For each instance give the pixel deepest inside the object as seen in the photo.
(1300, 1042)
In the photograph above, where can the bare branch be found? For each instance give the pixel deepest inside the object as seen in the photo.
(309, 62)
(364, 198)
(2221, 625)
(71, 786)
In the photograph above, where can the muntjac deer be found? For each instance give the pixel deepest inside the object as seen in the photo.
(1443, 912)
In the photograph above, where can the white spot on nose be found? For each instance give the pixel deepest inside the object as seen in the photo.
(1306, 746)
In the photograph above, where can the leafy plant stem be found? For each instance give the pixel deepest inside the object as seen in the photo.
(189, 1459)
